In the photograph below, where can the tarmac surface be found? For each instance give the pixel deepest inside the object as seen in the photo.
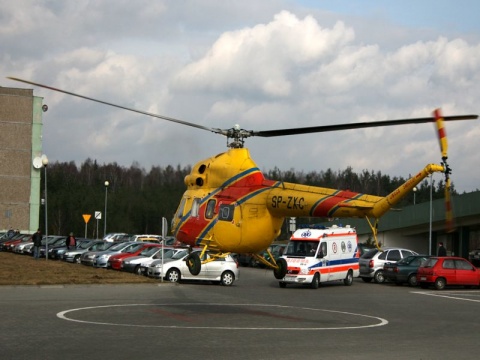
(253, 319)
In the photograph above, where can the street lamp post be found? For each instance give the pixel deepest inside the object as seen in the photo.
(45, 164)
(105, 221)
(414, 193)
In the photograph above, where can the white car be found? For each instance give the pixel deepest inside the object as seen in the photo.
(139, 264)
(223, 270)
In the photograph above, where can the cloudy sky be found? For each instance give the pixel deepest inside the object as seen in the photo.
(264, 65)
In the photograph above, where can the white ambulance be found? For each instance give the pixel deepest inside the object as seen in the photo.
(315, 256)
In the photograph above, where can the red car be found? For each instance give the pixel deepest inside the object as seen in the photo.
(115, 261)
(449, 270)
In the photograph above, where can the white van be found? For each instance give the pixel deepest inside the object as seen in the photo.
(315, 256)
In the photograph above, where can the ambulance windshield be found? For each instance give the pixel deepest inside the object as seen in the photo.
(302, 248)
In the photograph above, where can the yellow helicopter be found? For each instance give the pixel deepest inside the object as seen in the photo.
(230, 207)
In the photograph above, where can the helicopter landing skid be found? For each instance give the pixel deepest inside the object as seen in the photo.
(279, 266)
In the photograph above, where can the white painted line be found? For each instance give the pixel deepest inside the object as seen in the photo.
(379, 321)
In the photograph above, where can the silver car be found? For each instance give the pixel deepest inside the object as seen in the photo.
(223, 270)
(101, 258)
(371, 263)
(139, 264)
(74, 255)
(87, 257)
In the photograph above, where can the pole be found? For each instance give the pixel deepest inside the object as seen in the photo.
(105, 221)
(45, 164)
(431, 215)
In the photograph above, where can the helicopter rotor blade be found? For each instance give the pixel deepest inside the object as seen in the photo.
(442, 138)
(360, 125)
(219, 131)
(240, 134)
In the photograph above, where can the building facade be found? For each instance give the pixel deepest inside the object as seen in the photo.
(20, 143)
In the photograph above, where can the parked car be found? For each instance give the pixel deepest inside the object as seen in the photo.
(372, 262)
(88, 257)
(147, 238)
(404, 270)
(168, 254)
(23, 247)
(222, 270)
(474, 257)
(52, 241)
(146, 256)
(9, 245)
(448, 270)
(101, 257)
(74, 255)
(57, 252)
(115, 261)
(113, 237)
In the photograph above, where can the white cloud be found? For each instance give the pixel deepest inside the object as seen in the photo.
(264, 66)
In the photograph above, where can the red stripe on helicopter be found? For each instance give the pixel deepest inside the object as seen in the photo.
(325, 207)
(193, 226)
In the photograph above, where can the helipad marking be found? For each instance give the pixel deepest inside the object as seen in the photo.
(446, 295)
(381, 322)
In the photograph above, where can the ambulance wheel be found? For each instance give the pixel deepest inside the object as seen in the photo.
(282, 284)
(348, 279)
(194, 263)
(315, 281)
(281, 271)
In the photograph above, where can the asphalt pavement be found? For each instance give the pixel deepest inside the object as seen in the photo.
(254, 319)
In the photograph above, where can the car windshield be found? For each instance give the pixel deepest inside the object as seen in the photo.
(149, 251)
(406, 261)
(301, 248)
(179, 255)
(85, 245)
(104, 246)
(430, 262)
(117, 247)
(135, 248)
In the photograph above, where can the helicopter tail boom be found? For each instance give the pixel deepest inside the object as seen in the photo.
(381, 207)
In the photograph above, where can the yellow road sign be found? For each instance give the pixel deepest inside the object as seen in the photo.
(86, 217)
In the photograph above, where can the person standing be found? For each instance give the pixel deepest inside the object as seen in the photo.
(441, 250)
(71, 242)
(37, 242)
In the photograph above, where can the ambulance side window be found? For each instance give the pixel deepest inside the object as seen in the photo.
(323, 250)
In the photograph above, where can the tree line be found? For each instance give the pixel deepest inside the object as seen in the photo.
(137, 199)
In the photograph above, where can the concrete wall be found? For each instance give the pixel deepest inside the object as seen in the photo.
(20, 142)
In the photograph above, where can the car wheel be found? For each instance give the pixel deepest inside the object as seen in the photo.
(379, 277)
(348, 279)
(412, 280)
(367, 280)
(227, 278)
(440, 283)
(173, 275)
(315, 281)
(76, 259)
(138, 270)
(282, 284)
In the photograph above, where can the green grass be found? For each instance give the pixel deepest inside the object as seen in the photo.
(25, 270)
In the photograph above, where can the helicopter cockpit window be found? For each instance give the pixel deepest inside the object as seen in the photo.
(195, 207)
(210, 210)
(180, 209)
(226, 212)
